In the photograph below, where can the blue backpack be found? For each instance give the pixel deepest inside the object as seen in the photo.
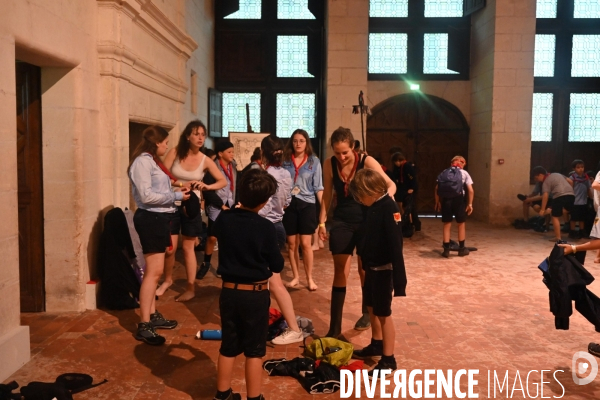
(450, 183)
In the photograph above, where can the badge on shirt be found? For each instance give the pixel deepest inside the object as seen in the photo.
(295, 191)
(397, 217)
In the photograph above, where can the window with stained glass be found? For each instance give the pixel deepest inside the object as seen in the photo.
(295, 111)
(292, 57)
(586, 56)
(543, 64)
(586, 9)
(443, 8)
(388, 8)
(249, 9)
(541, 117)
(293, 9)
(388, 53)
(584, 117)
(234, 112)
(545, 9)
(435, 54)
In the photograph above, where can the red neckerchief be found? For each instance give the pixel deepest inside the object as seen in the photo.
(162, 167)
(229, 172)
(297, 168)
(547, 175)
(457, 165)
(345, 179)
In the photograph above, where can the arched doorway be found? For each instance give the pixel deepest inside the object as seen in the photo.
(427, 129)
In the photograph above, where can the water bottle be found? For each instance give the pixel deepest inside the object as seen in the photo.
(210, 334)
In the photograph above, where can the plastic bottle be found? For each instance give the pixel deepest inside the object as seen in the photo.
(210, 334)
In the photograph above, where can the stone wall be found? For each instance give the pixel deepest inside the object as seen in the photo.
(503, 36)
(104, 63)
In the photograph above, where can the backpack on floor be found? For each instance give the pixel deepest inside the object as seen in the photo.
(450, 183)
(330, 350)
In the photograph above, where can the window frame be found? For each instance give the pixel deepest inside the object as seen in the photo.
(416, 25)
(269, 26)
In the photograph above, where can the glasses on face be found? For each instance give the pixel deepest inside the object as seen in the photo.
(299, 141)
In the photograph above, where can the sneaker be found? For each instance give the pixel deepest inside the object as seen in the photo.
(146, 333)
(204, 267)
(446, 252)
(521, 197)
(463, 251)
(594, 349)
(159, 322)
(565, 228)
(288, 336)
(371, 351)
(233, 396)
(573, 235)
(382, 365)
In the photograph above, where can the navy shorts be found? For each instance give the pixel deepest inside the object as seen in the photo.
(155, 229)
(191, 227)
(344, 237)
(378, 291)
(244, 322)
(561, 202)
(300, 218)
(454, 207)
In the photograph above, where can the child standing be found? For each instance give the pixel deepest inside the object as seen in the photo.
(383, 263)
(583, 190)
(224, 200)
(249, 256)
(404, 176)
(450, 200)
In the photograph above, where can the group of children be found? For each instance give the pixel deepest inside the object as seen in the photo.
(252, 216)
(555, 196)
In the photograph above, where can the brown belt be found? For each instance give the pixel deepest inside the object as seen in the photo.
(257, 287)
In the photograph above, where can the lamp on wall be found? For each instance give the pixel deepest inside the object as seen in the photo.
(361, 109)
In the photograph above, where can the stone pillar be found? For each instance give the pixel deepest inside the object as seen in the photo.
(503, 36)
(347, 63)
(14, 339)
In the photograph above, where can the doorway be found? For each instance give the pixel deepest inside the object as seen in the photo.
(30, 187)
(428, 130)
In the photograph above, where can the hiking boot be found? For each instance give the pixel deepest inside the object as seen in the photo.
(371, 351)
(204, 267)
(146, 333)
(159, 322)
(594, 349)
(463, 251)
(382, 365)
(234, 396)
(446, 252)
(288, 336)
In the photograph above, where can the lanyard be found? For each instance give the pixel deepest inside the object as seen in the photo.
(297, 168)
(229, 173)
(345, 179)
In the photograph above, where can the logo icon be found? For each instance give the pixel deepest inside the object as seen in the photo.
(580, 367)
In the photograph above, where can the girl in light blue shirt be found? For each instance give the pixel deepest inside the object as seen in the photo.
(300, 219)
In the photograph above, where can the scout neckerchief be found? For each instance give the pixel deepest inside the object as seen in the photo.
(162, 167)
(343, 177)
(229, 172)
(297, 168)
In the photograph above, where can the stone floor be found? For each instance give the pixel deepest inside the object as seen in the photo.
(487, 311)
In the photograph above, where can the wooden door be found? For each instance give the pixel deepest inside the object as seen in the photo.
(428, 130)
(30, 189)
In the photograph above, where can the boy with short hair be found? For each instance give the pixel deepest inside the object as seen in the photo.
(405, 177)
(583, 190)
(248, 256)
(450, 190)
(563, 197)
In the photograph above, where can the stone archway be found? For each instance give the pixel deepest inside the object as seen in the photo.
(427, 129)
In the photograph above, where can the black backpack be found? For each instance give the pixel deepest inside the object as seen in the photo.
(450, 183)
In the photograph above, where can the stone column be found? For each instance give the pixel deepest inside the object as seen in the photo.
(14, 339)
(347, 63)
(503, 36)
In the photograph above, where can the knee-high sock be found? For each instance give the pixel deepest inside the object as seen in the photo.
(338, 296)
